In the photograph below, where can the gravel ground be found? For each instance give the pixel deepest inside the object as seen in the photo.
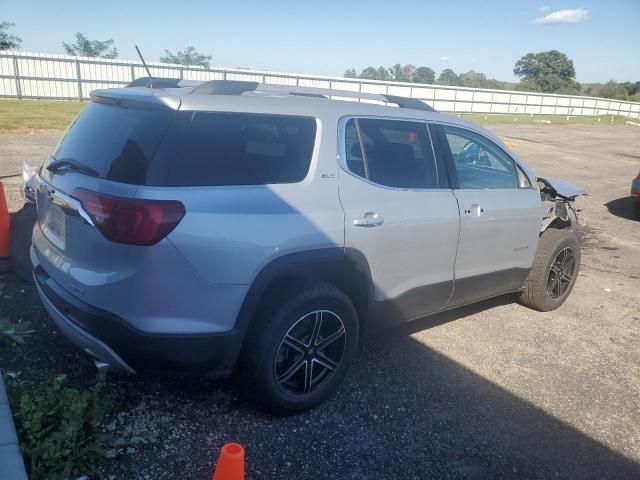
(494, 390)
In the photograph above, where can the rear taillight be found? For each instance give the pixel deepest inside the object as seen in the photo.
(133, 221)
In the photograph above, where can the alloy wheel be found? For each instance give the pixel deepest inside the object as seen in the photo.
(561, 272)
(310, 352)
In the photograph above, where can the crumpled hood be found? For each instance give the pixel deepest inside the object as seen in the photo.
(562, 188)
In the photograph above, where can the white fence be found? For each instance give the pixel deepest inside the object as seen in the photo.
(38, 75)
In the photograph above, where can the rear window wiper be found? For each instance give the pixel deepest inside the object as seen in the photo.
(56, 165)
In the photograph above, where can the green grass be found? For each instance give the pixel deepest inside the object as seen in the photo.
(19, 116)
(497, 119)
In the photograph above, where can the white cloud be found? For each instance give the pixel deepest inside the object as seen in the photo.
(444, 59)
(564, 16)
(546, 8)
(474, 60)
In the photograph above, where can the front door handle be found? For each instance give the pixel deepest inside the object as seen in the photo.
(474, 210)
(370, 219)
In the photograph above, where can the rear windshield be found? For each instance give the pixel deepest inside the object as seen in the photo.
(162, 147)
(116, 141)
(214, 148)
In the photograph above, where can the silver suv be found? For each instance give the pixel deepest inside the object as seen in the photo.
(236, 226)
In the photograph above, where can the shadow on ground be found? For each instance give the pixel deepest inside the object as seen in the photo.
(623, 207)
(405, 412)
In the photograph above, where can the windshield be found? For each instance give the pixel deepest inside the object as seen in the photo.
(117, 142)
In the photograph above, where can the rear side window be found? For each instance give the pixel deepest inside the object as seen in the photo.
(391, 153)
(115, 140)
(216, 148)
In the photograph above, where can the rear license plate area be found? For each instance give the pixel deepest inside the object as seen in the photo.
(54, 225)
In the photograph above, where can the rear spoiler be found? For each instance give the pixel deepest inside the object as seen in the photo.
(155, 82)
(136, 97)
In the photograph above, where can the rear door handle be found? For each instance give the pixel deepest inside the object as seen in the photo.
(474, 210)
(370, 219)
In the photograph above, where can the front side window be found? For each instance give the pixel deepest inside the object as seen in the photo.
(478, 161)
(391, 153)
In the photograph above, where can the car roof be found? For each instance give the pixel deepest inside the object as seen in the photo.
(312, 104)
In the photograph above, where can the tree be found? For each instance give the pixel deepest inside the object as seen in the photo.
(383, 73)
(632, 88)
(350, 73)
(369, 73)
(84, 47)
(402, 73)
(448, 77)
(423, 75)
(549, 72)
(8, 41)
(473, 79)
(613, 89)
(500, 85)
(188, 56)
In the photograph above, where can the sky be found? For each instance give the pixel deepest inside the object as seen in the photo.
(327, 37)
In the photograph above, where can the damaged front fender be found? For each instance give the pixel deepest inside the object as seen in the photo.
(557, 198)
(560, 188)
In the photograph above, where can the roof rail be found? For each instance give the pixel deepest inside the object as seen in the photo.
(225, 87)
(234, 87)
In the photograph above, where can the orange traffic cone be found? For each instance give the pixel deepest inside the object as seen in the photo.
(230, 464)
(5, 220)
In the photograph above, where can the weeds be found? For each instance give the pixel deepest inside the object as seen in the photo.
(57, 428)
(14, 332)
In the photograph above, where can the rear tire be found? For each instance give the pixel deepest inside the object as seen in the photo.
(299, 349)
(554, 272)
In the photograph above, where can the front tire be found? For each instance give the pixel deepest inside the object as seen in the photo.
(299, 349)
(554, 272)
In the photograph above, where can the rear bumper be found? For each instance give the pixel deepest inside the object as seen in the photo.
(111, 339)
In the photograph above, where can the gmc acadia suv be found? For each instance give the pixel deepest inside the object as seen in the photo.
(236, 226)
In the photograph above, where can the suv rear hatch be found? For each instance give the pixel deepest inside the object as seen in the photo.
(90, 224)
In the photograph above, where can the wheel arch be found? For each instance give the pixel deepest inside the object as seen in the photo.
(346, 269)
(557, 223)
